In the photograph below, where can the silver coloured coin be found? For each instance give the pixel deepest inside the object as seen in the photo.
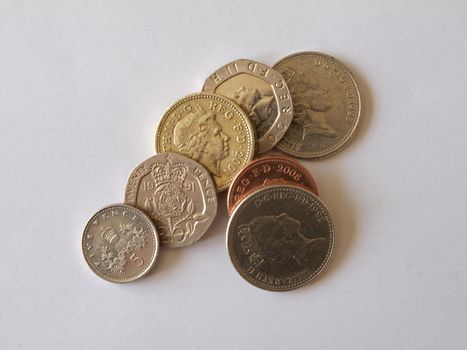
(120, 243)
(327, 105)
(261, 92)
(177, 193)
(280, 237)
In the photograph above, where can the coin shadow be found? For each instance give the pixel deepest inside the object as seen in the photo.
(366, 98)
(343, 212)
(167, 259)
(220, 221)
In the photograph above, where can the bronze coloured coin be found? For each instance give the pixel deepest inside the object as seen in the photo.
(280, 237)
(267, 171)
(120, 243)
(326, 104)
(262, 94)
(211, 130)
(177, 193)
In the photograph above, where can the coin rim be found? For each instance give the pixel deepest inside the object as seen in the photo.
(263, 144)
(197, 95)
(318, 271)
(231, 207)
(351, 134)
(155, 250)
(195, 163)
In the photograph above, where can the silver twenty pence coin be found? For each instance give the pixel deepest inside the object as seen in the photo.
(261, 92)
(177, 193)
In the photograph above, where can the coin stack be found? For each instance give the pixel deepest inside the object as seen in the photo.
(280, 235)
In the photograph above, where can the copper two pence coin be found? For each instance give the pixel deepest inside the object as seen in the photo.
(262, 172)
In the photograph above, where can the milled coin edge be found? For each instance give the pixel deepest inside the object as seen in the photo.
(194, 96)
(258, 161)
(215, 205)
(263, 144)
(296, 285)
(155, 250)
(352, 133)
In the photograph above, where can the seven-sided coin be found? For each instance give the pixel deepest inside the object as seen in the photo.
(262, 94)
(177, 193)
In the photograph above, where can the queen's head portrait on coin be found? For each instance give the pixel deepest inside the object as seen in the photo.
(311, 110)
(280, 237)
(260, 106)
(326, 102)
(262, 94)
(211, 130)
(200, 137)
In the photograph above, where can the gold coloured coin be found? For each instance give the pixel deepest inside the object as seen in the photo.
(262, 94)
(211, 130)
(326, 102)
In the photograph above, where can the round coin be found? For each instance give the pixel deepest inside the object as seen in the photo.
(211, 130)
(326, 104)
(177, 193)
(267, 171)
(280, 237)
(120, 243)
(262, 94)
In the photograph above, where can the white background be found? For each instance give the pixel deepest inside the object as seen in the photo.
(82, 87)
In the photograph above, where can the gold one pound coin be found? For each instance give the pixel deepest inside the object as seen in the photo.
(211, 130)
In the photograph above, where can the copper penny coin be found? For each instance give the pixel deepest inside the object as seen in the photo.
(266, 171)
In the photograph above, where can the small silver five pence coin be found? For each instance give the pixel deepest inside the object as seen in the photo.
(120, 243)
